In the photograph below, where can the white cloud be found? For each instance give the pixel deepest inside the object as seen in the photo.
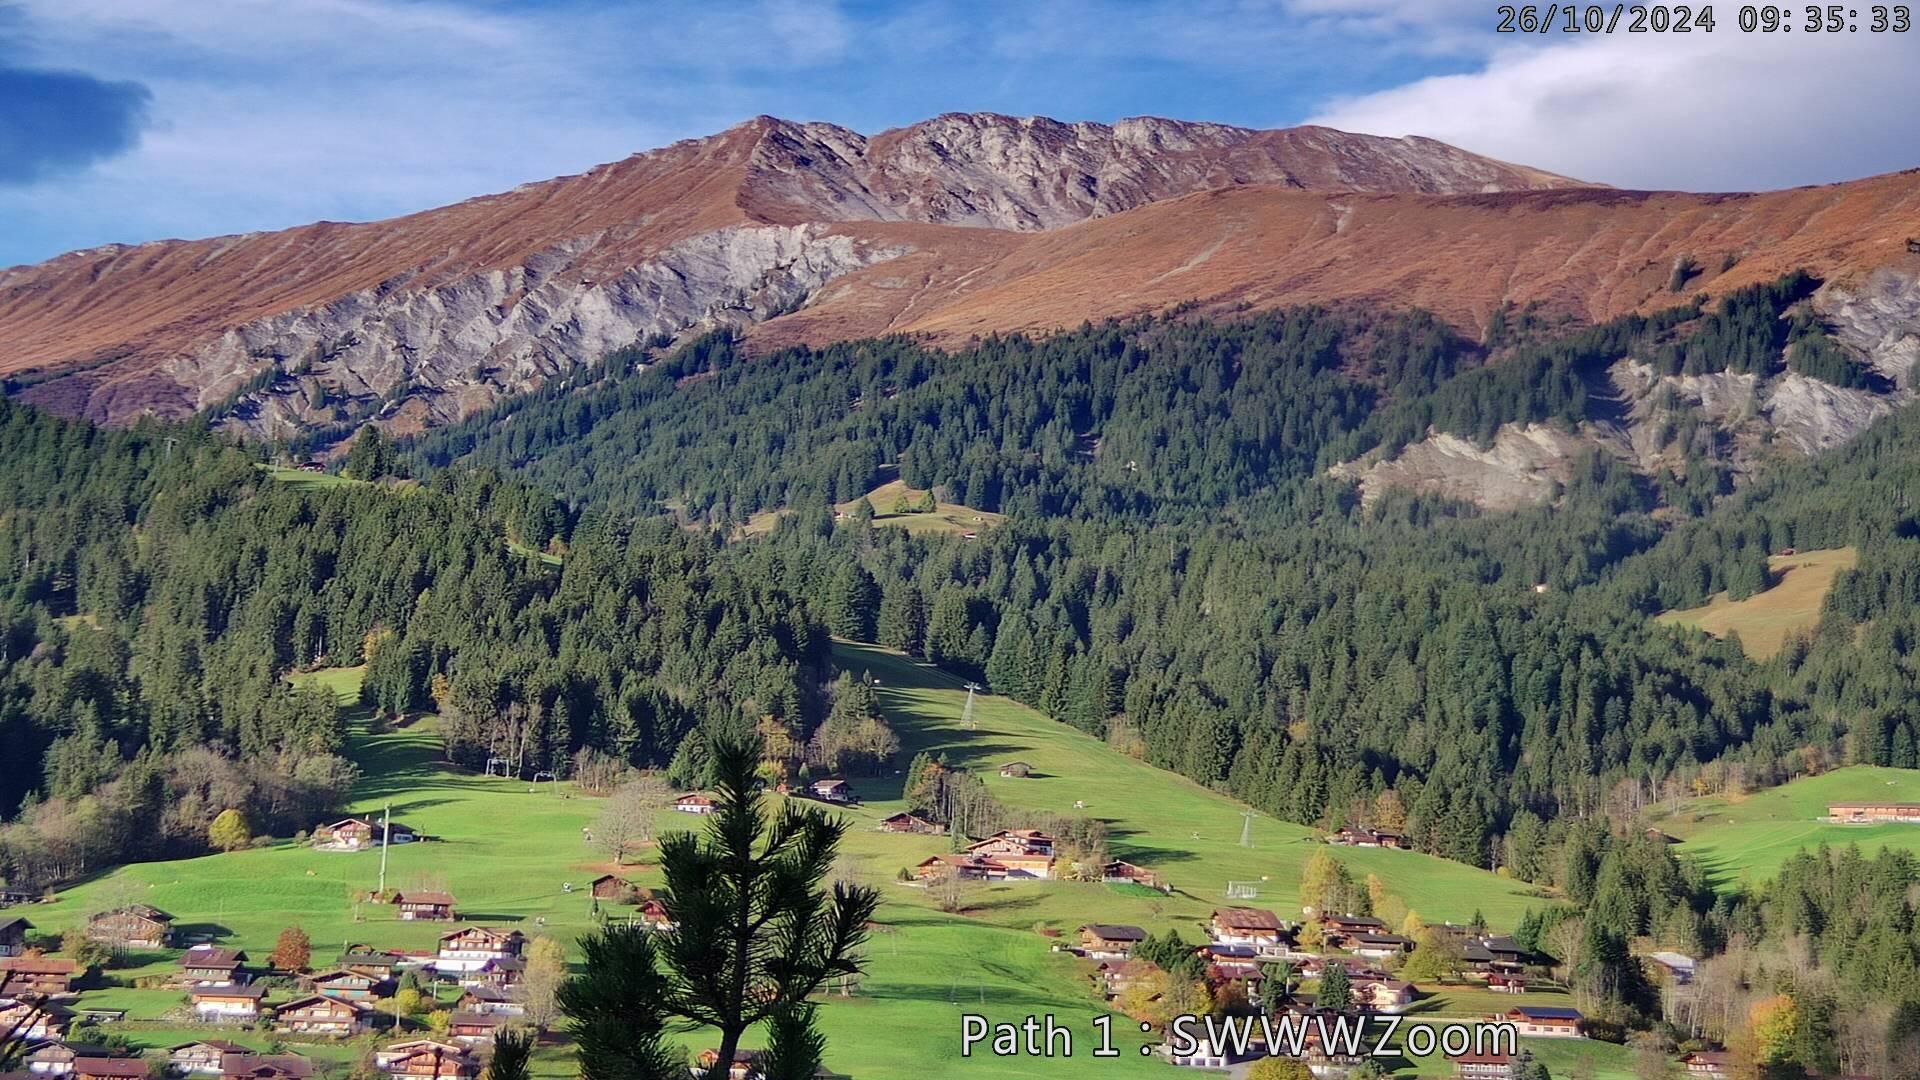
(1720, 111)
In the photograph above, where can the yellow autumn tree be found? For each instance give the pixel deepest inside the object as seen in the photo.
(1772, 1022)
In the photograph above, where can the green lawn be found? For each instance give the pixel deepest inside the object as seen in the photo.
(507, 851)
(1747, 839)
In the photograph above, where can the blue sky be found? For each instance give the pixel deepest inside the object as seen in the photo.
(130, 120)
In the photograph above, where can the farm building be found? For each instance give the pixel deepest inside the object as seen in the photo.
(386, 1058)
(612, 888)
(1708, 1065)
(359, 834)
(949, 864)
(318, 1014)
(136, 926)
(904, 822)
(472, 948)
(13, 935)
(1541, 1021)
(211, 965)
(52, 1059)
(504, 971)
(1359, 836)
(654, 915)
(1115, 976)
(226, 1003)
(42, 975)
(425, 905)
(1382, 995)
(202, 1057)
(1862, 813)
(694, 803)
(265, 1067)
(1108, 941)
(834, 791)
(1121, 871)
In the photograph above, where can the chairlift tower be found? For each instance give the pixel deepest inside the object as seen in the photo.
(1246, 827)
(966, 714)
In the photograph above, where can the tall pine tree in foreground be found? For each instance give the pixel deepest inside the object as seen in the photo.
(756, 933)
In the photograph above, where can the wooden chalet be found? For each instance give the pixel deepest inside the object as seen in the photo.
(34, 1021)
(384, 1059)
(1361, 836)
(1109, 941)
(347, 985)
(952, 864)
(213, 965)
(136, 926)
(56, 1058)
(432, 1063)
(1383, 995)
(653, 914)
(1708, 1065)
(694, 802)
(359, 834)
(1247, 926)
(1020, 864)
(1013, 842)
(905, 822)
(470, 948)
(425, 905)
(378, 965)
(1471, 1066)
(108, 1068)
(45, 976)
(233, 1002)
(1504, 983)
(1544, 1022)
(202, 1057)
(1114, 977)
(613, 888)
(505, 1000)
(13, 935)
(504, 971)
(319, 1014)
(1340, 928)
(265, 1067)
(833, 791)
(473, 1028)
(1121, 871)
(1379, 946)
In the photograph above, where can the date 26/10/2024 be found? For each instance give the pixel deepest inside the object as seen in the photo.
(1685, 19)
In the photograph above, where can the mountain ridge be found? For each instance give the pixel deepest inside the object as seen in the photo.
(810, 232)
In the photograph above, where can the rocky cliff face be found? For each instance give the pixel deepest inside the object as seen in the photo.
(1759, 418)
(425, 318)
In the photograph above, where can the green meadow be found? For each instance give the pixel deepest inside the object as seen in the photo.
(509, 850)
(1745, 839)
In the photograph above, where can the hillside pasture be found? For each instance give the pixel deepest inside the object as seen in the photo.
(508, 850)
(1745, 839)
(1765, 620)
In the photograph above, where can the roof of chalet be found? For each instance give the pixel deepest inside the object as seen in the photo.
(1115, 932)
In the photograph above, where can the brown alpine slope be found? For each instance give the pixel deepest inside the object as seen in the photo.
(809, 232)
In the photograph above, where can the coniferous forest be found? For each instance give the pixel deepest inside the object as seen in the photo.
(1177, 575)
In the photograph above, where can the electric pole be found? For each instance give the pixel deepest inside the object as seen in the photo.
(1246, 827)
(966, 715)
(386, 837)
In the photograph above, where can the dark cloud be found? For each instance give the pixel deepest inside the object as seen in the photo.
(56, 122)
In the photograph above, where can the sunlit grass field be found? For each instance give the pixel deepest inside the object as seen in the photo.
(508, 850)
(1764, 620)
(1746, 839)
